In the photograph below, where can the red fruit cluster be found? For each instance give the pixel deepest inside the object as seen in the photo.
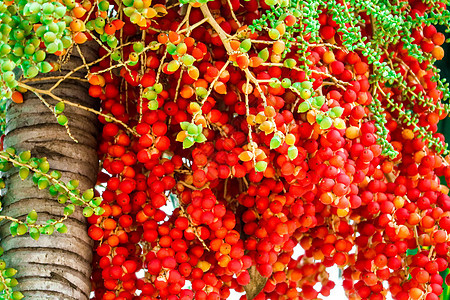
(258, 168)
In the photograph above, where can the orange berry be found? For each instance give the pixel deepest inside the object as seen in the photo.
(162, 38)
(118, 24)
(174, 37)
(278, 47)
(438, 38)
(77, 25)
(201, 83)
(415, 293)
(78, 12)
(220, 87)
(187, 92)
(17, 97)
(110, 29)
(255, 61)
(328, 57)
(113, 240)
(438, 52)
(109, 224)
(79, 38)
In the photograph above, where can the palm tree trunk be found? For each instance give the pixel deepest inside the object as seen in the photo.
(56, 266)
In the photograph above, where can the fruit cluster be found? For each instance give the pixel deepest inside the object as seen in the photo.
(267, 124)
(271, 130)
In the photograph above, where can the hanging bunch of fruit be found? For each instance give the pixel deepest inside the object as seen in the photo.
(267, 125)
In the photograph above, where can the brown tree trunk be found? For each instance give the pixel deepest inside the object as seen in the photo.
(56, 266)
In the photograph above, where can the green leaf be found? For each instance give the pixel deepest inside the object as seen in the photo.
(24, 172)
(32, 217)
(260, 166)
(34, 233)
(275, 142)
(61, 228)
(69, 209)
(292, 152)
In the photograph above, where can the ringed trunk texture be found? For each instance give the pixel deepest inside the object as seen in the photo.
(56, 266)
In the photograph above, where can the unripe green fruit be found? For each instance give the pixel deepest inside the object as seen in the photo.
(48, 8)
(31, 72)
(113, 42)
(187, 60)
(88, 211)
(8, 76)
(18, 50)
(100, 22)
(305, 94)
(8, 66)
(29, 49)
(192, 129)
(306, 85)
(34, 7)
(153, 105)
(304, 107)
(4, 49)
(39, 56)
(49, 37)
(274, 34)
(245, 45)
(138, 47)
(286, 83)
(52, 48)
(62, 120)
(59, 12)
(66, 41)
(116, 55)
(18, 34)
(22, 229)
(103, 5)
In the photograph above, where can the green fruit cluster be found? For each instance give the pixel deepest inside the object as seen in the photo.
(29, 31)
